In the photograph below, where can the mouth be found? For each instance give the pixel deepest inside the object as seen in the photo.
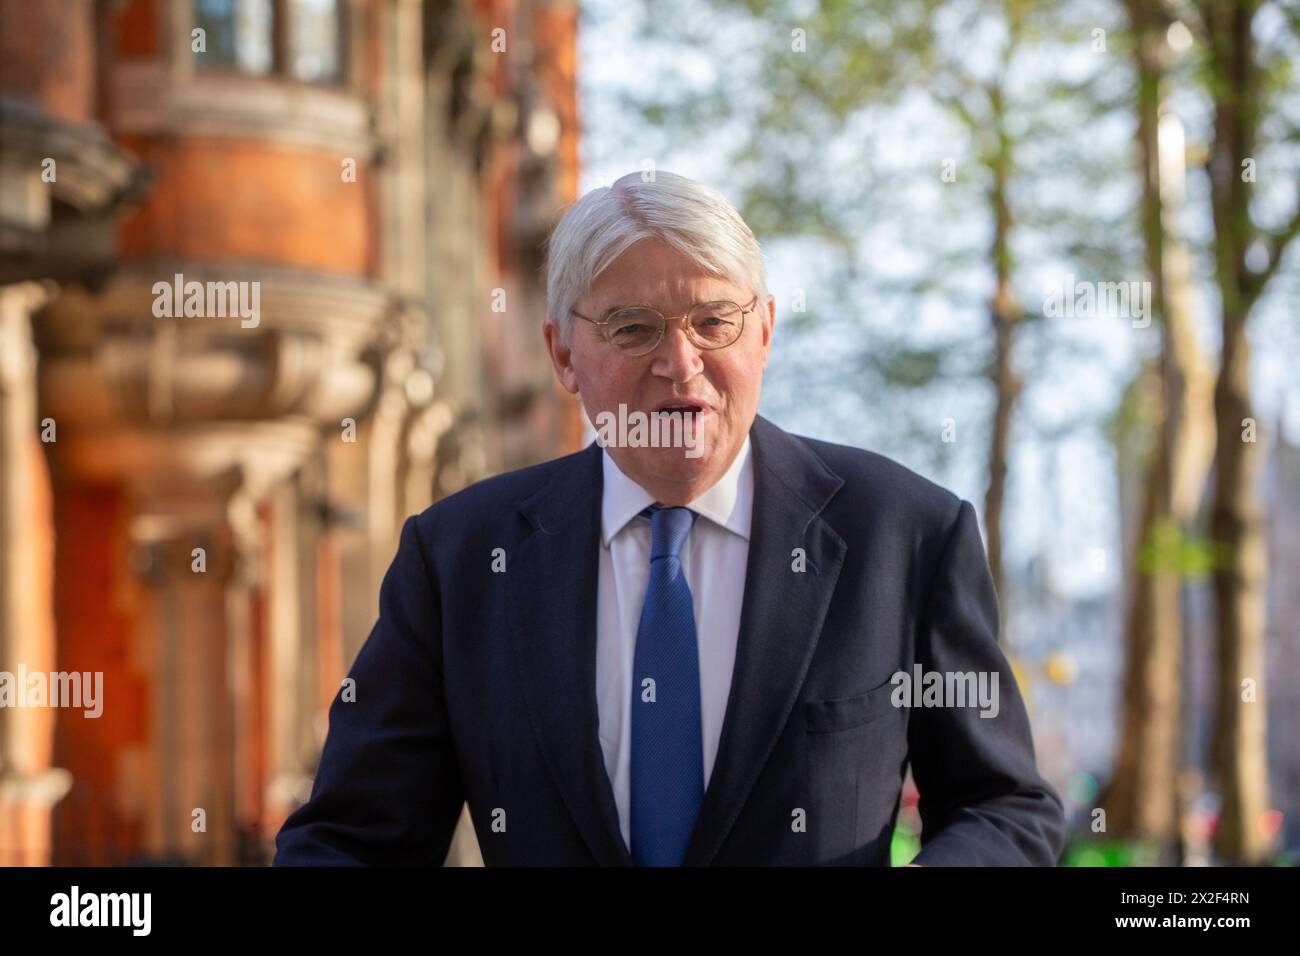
(682, 407)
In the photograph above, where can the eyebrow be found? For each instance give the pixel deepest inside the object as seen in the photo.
(614, 308)
(643, 305)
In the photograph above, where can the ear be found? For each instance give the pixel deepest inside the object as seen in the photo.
(769, 321)
(561, 356)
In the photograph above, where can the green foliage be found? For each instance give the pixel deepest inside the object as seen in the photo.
(1111, 853)
(903, 847)
(1167, 549)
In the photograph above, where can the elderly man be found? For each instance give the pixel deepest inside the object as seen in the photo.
(723, 649)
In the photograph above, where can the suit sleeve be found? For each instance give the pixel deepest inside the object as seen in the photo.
(388, 788)
(982, 801)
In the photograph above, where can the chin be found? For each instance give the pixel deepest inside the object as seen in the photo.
(671, 464)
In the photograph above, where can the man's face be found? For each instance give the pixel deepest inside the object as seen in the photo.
(724, 383)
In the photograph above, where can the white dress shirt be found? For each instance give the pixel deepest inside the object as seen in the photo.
(714, 560)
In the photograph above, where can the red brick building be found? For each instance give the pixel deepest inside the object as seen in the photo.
(199, 493)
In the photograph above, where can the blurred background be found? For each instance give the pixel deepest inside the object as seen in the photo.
(956, 200)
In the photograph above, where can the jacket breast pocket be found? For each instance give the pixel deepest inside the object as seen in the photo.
(843, 713)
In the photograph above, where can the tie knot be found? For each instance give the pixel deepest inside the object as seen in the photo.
(669, 528)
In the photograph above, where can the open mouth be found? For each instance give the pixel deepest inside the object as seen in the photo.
(680, 408)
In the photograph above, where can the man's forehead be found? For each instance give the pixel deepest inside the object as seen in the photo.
(667, 291)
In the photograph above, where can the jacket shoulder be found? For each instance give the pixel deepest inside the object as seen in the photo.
(887, 486)
(492, 498)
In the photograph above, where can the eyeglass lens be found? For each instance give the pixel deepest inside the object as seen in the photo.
(712, 324)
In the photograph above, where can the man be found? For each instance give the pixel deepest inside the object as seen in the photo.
(692, 652)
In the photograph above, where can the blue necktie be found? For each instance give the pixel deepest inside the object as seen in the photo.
(667, 750)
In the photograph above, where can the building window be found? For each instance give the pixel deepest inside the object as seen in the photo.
(314, 41)
(238, 35)
(292, 39)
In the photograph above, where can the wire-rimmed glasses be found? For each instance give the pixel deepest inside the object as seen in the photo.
(638, 329)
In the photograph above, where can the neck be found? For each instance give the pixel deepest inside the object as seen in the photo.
(677, 493)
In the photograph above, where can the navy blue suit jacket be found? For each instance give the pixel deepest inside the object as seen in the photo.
(479, 685)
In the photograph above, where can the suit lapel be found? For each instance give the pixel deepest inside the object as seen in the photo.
(552, 588)
(780, 622)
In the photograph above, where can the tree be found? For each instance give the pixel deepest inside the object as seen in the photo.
(1246, 79)
(1143, 797)
(800, 103)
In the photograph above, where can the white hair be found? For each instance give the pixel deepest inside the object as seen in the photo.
(691, 217)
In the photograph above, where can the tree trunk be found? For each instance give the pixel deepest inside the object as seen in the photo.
(1003, 313)
(1142, 801)
(1239, 590)
(1241, 574)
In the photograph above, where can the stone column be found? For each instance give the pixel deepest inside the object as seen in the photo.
(29, 784)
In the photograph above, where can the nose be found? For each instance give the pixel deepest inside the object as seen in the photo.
(677, 357)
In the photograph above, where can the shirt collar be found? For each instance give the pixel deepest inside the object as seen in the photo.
(728, 504)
